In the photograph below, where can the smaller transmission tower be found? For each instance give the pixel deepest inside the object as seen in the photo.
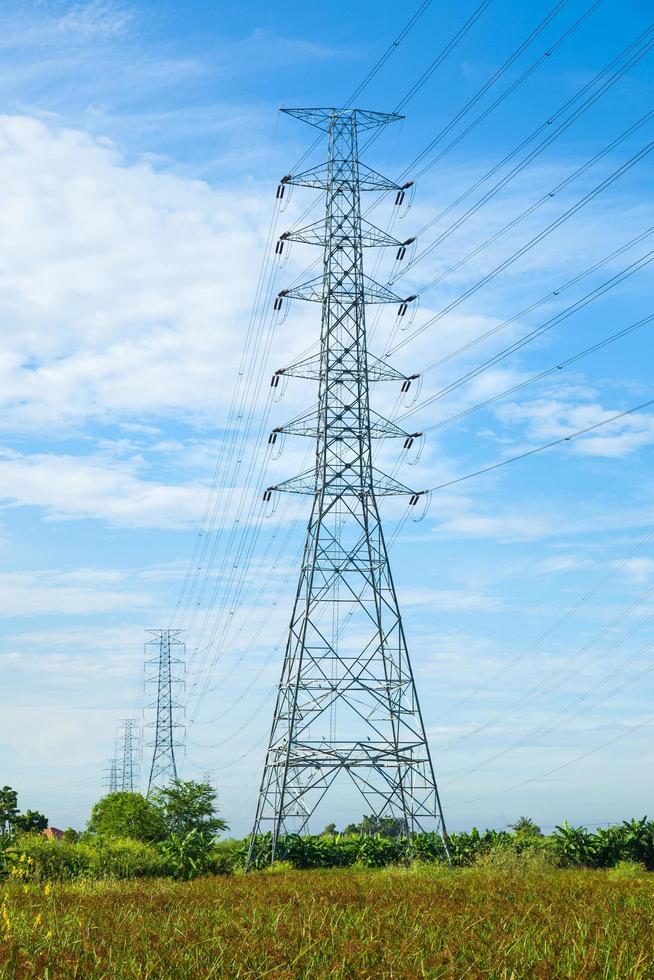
(129, 742)
(111, 776)
(168, 711)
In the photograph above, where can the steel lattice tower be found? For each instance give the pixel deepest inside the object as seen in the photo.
(346, 701)
(111, 777)
(168, 711)
(130, 767)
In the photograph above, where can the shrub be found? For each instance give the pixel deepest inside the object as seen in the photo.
(127, 815)
(122, 857)
(227, 856)
(517, 859)
(60, 860)
(628, 869)
(279, 867)
(429, 848)
(188, 855)
(54, 860)
(376, 851)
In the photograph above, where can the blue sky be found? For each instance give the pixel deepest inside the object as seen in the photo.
(140, 151)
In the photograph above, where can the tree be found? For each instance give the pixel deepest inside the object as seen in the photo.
(30, 822)
(386, 826)
(525, 827)
(127, 815)
(330, 830)
(11, 819)
(185, 806)
(8, 809)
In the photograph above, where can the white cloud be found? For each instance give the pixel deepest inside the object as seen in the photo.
(122, 288)
(449, 600)
(517, 527)
(77, 487)
(639, 569)
(98, 18)
(551, 418)
(80, 593)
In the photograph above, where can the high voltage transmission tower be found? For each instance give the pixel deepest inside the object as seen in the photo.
(168, 711)
(346, 703)
(129, 740)
(111, 776)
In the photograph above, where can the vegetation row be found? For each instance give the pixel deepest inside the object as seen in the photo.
(174, 834)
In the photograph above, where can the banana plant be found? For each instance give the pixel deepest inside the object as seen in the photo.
(576, 845)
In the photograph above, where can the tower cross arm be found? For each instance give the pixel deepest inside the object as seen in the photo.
(323, 177)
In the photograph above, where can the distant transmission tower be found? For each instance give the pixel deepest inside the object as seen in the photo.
(168, 711)
(346, 703)
(130, 766)
(111, 776)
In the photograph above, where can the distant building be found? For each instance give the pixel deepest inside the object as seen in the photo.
(52, 833)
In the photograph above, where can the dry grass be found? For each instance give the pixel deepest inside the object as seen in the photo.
(349, 923)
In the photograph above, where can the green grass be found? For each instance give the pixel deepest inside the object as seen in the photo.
(400, 923)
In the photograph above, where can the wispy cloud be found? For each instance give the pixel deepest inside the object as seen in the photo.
(97, 18)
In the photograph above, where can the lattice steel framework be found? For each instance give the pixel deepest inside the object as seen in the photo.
(347, 701)
(111, 776)
(129, 742)
(168, 711)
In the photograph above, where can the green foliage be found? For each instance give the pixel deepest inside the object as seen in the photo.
(517, 858)
(187, 806)
(103, 852)
(466, 847)
(428, 848)
(99, 857)
(8, 853)
(11, 819)
(188, 856)
(628, 869)
(378, 851)
(30, 822)
(386, 826)
(632, 840)
(227, 856)
(576, 845)
(127, 815)
(8, 809)
(525, 828)
(120, 857)
(304, 851)
(400, 922)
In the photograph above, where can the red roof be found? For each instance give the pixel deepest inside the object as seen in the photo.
(52, 833)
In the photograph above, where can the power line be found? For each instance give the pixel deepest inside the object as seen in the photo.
(612, 338)
(545, 56)
(544, 199)
(536, 690)
(440, 58)
(543, 730)
(553, 294)
(506, 263)
(376, 68)
(646, 43)
(564, 765)
(540, 449)
(536, 332)
(466, 108)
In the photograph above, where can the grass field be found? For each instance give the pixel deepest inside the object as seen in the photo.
(347, 923)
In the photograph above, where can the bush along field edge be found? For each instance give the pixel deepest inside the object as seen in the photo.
(125, 840)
